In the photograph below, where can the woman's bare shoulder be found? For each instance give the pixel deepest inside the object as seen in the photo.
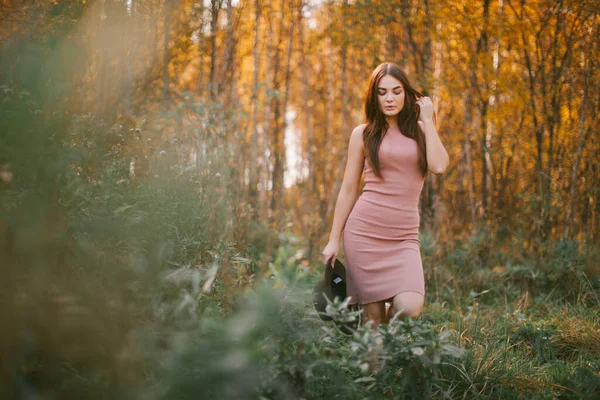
(358, 131)
(360, 128)
(356, 138)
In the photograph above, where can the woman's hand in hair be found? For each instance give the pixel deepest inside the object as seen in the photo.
(426, 109)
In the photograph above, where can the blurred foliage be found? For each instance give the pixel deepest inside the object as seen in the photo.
(140, 256)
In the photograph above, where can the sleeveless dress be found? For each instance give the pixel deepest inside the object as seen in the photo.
(381, 235)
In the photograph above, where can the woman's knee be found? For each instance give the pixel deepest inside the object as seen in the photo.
(407, 311)
(410, 304)
(413, 311)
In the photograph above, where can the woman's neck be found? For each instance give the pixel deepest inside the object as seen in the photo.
(392, 122)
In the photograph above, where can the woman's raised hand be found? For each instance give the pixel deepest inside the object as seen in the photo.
(330, 252)
(426, 107)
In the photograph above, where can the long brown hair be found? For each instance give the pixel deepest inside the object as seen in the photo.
(407, 117)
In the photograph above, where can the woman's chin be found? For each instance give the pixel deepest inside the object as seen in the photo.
(391, 113)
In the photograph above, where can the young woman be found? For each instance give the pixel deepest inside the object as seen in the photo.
(395, 148)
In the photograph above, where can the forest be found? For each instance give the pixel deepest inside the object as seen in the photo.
(168, 177)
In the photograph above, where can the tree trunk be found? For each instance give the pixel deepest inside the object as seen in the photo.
(484, 159)
(215, 7)
(201, 50)
(482, 53)
(103, 63)
(467, 124)
(131, 31)
(579, 149)
(312, 228)
(166, 56)
(344, 127)
(228, 53)
(253, 169)
(265, 168)
(276, 134)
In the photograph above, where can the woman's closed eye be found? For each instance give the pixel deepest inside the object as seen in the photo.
(383, 92)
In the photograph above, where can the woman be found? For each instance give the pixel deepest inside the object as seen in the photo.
(395, 149)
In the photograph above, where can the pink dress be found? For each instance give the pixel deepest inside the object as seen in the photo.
(381, 235)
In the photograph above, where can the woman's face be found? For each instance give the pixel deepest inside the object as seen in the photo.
(390, 93)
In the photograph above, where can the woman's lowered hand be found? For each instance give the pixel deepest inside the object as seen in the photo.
(330, 252)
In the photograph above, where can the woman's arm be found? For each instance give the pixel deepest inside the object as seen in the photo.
(348, 192)
(437, 157)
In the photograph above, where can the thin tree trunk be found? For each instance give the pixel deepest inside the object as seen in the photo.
(484, 160)
(492, 101)
(437, 182)
(286, 94)
(344, 127)
(166, 56)
(578, 151)
(228, 52)
(328, 100)
(276, 134)
(482, 52)
(129, 57)
(201, 51)
(215, 7)
(424, 73)
(102, 63)
(406, 33)
(155, 12)
(267, 124)
(391, 45)
(312, 228)
(467, 123)
(254, 171)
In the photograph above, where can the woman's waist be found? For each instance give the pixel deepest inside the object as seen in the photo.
(387, 196)
(377, 207)
(394, 182)
(383, 222)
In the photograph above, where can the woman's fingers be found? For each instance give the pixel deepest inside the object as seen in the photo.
(330, 253)
(424, 100)
(326, 257)
(329, 256)
(425, 108)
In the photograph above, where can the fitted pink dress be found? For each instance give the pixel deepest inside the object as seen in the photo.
(381, 235)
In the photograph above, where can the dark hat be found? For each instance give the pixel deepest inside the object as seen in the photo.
(333, 285)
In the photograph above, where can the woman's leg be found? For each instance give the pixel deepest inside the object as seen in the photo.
(374, 312)
(410, 304)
